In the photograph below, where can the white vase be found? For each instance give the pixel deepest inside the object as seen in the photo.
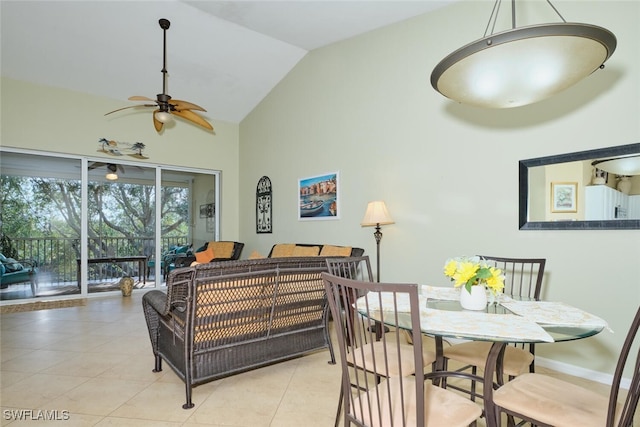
(624, 185)
(476, 300)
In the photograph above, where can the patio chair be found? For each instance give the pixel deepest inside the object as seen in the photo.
(14, 271)
(523, 279)
(543, 400)
(407, 398)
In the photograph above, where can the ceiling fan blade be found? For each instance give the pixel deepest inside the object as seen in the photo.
(157, 123)
(192, 117)
(96, 165)
(131, 106)
(140, 98)
(184, 105)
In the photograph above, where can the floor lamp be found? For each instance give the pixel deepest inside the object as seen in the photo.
(377, 215)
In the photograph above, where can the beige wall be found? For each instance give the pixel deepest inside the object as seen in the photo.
(448, 173)
(48, 119)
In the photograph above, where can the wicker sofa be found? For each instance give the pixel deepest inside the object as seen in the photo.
(222, 318)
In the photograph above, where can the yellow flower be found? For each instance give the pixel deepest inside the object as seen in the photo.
(496, 281)
(450, 268)
(466, 271)
(471, 271)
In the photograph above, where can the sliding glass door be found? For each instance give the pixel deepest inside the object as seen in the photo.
(77, 226)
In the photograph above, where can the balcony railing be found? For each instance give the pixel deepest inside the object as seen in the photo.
(57, 257)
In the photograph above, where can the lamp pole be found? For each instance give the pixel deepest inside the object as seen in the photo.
(378, 236)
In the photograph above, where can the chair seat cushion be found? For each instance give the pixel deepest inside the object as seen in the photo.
(376, 350)
(516, 360)
(553, 401)
(442, 408)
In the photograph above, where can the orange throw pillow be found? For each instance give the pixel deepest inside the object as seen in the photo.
(205, 256)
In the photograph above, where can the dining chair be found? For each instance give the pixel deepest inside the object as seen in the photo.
(409, 398)
(544, 401)
(523, 279)
(359, 268)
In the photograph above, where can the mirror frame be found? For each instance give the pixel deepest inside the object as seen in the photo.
(523, 190)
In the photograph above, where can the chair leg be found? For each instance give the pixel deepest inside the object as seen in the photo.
(33, 287)
(158, 364)
(337, 422)
(189, 403)
(474, 371)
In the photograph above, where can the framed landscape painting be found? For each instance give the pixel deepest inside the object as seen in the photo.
(564, 197)
(318, 197)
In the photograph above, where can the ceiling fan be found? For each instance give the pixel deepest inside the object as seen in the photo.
(112, 169)
(166, 107)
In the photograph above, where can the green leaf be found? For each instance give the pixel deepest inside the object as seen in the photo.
(483, 273)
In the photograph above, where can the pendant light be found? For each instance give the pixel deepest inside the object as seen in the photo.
(522, 65)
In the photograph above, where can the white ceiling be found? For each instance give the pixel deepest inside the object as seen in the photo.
(223, 55)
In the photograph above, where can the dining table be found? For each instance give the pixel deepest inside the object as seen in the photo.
(505, 320)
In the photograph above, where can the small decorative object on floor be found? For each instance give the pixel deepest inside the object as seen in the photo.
(476, 275)
(126, 286)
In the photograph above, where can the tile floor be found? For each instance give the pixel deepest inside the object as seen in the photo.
(95, 362)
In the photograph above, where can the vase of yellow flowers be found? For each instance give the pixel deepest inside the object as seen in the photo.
(474, 276)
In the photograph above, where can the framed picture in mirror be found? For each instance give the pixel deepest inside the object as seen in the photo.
(564, 197)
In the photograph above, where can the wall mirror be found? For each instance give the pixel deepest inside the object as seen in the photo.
(581, 190)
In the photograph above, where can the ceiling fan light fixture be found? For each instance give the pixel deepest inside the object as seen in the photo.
(522, 65)
(112, 174)
(164, 117)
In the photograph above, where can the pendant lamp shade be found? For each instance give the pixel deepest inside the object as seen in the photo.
(620, 165)
(523, 65)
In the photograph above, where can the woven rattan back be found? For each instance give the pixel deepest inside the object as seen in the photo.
(376, 400)
(523, 276)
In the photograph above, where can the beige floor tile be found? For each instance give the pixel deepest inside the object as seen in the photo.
(158, 402)
(37, 361)
(95, 361)
(37, 391)
(98, 396)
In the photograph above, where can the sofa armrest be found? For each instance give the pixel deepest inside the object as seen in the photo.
(157, 300)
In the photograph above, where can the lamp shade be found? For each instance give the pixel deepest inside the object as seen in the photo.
(522, 65)
(620, 165)
(164, 117)
(376, 214)
(112, 172)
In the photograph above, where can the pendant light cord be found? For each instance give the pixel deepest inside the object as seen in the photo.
(493, 18)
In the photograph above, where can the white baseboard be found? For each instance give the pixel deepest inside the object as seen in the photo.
(579, 372)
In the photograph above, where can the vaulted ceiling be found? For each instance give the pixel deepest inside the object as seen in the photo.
(223, 55)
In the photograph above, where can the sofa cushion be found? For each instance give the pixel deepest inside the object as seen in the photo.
(300, 251)
(11, 265)
(256, 255)
(222, 249)
(329, 250)
(205, 256)
(283, 250)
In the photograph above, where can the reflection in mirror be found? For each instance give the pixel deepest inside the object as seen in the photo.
(595, 189)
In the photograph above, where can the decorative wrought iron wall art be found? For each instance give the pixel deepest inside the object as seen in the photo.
(263, 206)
